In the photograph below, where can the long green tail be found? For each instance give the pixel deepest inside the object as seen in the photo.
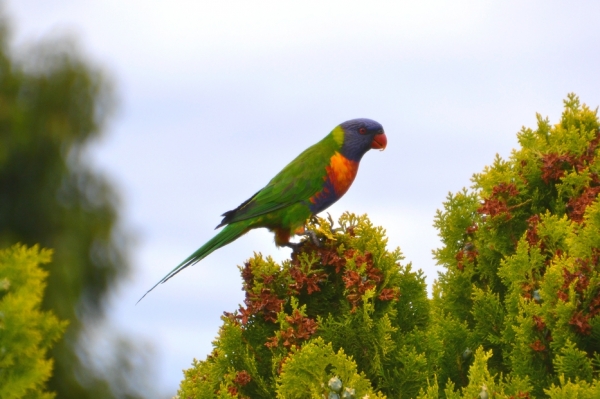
(229, 234)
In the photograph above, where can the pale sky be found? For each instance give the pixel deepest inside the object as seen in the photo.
(216, 97)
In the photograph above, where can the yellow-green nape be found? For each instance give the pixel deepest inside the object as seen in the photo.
(338, 135)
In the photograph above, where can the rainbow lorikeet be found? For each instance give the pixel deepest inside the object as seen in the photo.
(306, 186)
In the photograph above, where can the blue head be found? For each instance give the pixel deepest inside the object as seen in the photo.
(360, 135)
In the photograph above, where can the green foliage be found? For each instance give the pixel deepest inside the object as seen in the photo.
(347, 308)
(482, 384)
(309, 369)
(522, 256)
(26, 332)
(574, 390)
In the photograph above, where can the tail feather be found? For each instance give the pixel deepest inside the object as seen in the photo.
(229, 234)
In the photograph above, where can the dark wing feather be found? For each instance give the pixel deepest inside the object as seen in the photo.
(229, 215)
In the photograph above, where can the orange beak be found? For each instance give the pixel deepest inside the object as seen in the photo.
(379, 141)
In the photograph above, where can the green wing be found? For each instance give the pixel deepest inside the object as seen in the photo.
(298, 181)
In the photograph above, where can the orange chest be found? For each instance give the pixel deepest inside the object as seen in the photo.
(341, 173)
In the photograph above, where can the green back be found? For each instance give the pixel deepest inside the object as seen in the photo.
(298, 181)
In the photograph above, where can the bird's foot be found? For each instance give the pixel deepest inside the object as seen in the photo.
(306, 233)
(314, 220)
(332, 223)
(313, 237)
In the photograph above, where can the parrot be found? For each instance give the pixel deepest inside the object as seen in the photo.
(308, 185)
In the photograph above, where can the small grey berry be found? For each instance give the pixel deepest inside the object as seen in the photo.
(467, 353)
(335, 384)
(348, 393)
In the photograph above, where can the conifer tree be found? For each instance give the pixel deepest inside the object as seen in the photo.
(522, 256)
(345, 318)
(26, 332)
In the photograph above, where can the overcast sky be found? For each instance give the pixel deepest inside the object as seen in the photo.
(217, 96)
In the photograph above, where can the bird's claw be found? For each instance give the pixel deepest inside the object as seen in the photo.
(313, 237)
(314, 220)
(331, 222)
(308, 233)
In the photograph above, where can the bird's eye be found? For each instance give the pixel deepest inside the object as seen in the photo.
(362, 130)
